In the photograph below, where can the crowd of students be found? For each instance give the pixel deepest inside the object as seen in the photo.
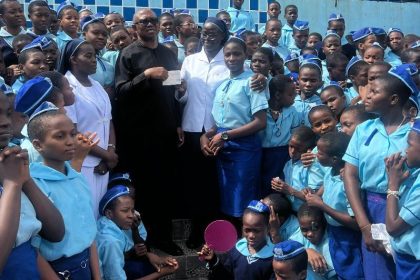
(306, 143)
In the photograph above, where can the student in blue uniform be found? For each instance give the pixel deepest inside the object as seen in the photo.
(251, 258)
(396, 44)
(356, 71)
(403, 213)
(11, 12)
(381, 37)
(273, 34)
(295, 173)
(239, 113)
(343, 232)
(283, 223)
(330, 45)
(290, 261)
(291, 64)
(282, 118)
(166, 26)
(53, 135)
(300, 36)
(273, 12)
(240, 18)
(352, 116)
(253, 41)
(335, 67)
(184, 27)
(371, 143)
(291, 15)
(333, 96)
(374, 53)
(336, 22)
(39, 14)
(120, 38)
(68, 18)
(362, 39)
(113, 19)
(261, 62)
(121, 246)
(24, 210)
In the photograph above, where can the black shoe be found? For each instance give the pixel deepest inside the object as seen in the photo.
(169, 247)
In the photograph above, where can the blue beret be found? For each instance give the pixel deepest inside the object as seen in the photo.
(362, 33)
(335, 16)
(331, 33)
(378, 31)
(85, 21)
(290, 57)
(394, 29)
(40, 42)
(110, 195)
(119, 176)
(310, 59)
(65, 4)
(416, 126)
(352, 62)
(43, 108)
(301, 25)
(404, 72)
(332, 84)
(258, 206)
(6, 89)
(414, 45)
(294, 76)
(287, 250)
(32, 93)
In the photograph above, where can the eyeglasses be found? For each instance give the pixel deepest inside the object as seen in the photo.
(146, 21)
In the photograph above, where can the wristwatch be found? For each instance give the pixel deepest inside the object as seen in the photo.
(225, 136)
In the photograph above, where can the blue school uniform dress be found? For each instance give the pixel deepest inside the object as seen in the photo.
(324, 250)
(240, 19)
(293, 48)
(316, 173)
(8, 38)
(289, 228)
(286, 38)
(407, 245)
(70, 193)
(304, 106)
(62, 39)
(275, 142)
(239, 161)
(344, 242)
(112, 243)
(22, 261)
(295, 175)
(392, 58)
(368, 147)
(104, 72)
(111, 57)
(282, 51)
(350, 94)
(239, 263)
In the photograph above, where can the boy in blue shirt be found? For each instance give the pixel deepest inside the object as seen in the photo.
(300, 36)
(291, 15)
(240, 18)
(290, 260)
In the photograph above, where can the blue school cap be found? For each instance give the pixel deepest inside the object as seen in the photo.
(290, 57)
(362, 33)
(258, 206)
(287, 250)
(65, 4)
(43, 108)
(85, 21)
(378, 31)
(32, 93)
(310, 59)
(352, 62)
(335, 16)
(40, 42)
(110, 195)
(120, 177)
(394, 29)
(294, 76)
(6, 89)
(404, 73)
(414, 45)
(416, 126)
(331, 33)
(301, 25)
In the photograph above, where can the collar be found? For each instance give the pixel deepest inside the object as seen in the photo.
(265, 252)
(203, 56)
(110, 229)
(401, 131)
(245, 74)
(4, 33)
(64, 36)
(233, 9)
(41, 171)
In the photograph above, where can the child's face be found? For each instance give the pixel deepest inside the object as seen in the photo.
(69, 22)
(301, 38)
(322, 155)
(13, 14)
(96, 34)
(234, 57)
(58, 144)
(312, 229)
(54, 25)
(312, 41)
(166, 26)
(361, 78)
(338, 26)
(395, 41)
(226, 18)
(375, 71)
(35, 64)
(123, 214)
(333, 99)
(372, 55)
(5, 121)
(254, 230)
(67, 92)
(273, 10)
(187, 27)
(40, 18)
(113, 20)
(338, 72)
(252, 42)
(283, 270)
(291, 14)
(322, 122)
(287, 97)
(191, 48)
(120, 39)
(273, 32)
(51, 56)
(133, 33)
(377, 99)
(368, 42)
(309, 81)
(238, 3)
(260, 64)
(296, 148)
(85, 13)
(85, 60)
(331, 45)
(349, 122)
(413, 150)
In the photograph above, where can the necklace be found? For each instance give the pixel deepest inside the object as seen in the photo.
(274, 111)
(401, 123)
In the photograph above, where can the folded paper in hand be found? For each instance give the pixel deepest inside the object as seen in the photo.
(174, 78)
